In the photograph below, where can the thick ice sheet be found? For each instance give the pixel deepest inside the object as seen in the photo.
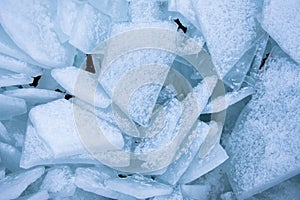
(35, 19)
(11, 106)
(8, 78)
(14, 184)
(138, 186)
(281, 20)
(264, 146)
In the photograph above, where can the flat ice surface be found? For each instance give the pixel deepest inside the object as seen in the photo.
(196, 191)
(19, 66)
(35, 19)
(90, 29)
(59, 182)
(138, 186)
(40, 195)
(10, 157)
(175, 195)
(229, 28)
(264, 146)
(281, 21)
(14, 184)
(34, 95)
(8, 78)
(11, 106)
(82, 84)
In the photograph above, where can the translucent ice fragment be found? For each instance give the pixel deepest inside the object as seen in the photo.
(262, 156)
(138, 186)
(35, 20)
(201, 166)
(40, 195)
(196, 191)
(10, 79)
(82, 84)
(11, 106)
(179, 166)
(59, 182)
(2, 172)
(92, 180)
(233, 31)
(19, 66)
(175, 195)
(117, 10)
(230, 98)
(14, 184)
(4, 136)
(90, 29)
(281, 21)
(10, 157)
(34, 96)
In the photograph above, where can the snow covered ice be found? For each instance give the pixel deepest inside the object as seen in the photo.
(149, 99)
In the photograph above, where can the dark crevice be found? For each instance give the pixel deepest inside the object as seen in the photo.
(264, 61)
(180, 26)
(35, 81)
(89, 64)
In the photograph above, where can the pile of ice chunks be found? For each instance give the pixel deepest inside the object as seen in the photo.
(88, 112)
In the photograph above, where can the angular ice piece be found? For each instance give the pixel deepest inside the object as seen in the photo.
(48, 82)
(117, 10)
(11, 106)
(233, 31)
(4, 136)
(175, 195)
(35, 152)
(67, 11)
(19, 66)
(55, 120)
(14, 184)
(2, 172)
(196, 191)
(230, 98)
(90, 29)
(59, 182)
(8, 47)
(10, 157)
(201, 166)
(40, 195)
(88, 89)
(34, 96)
(138, 186)
(179, 166)
(281, 21)
(92, 180)
(35, 20)
(262, 156)
(10, 79)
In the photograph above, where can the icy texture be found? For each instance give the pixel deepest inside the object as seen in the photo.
(18, 66)
(179, 166)
(265, 142)
(281, 21)
(10, 157)
(87, 87)
(11, 106)
(4, 136)
(229, 28)
(34, 95)
(230, 98)
(92, 180)
(35, 20)
(201, 166)
(175, 195)
(41, 195)
(59, 182)
(14, 184)
(90, 29)
(196, 191)
(10, 79)
(138, 186)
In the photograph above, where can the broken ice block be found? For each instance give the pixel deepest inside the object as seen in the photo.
(92, 180)
(201, 166)
(281, 21)
(179, 166)
(82, 84)
(10, 79)
(90, 29)
(34, 96)
(230, 98)
(40, 195)
(233, 30)
(19, 66)
(11, 106)
(35, 20)
(175, 195)
(14, 184)
(59, 182)
(196, 191)
(117, 10)
(10, 157)
(264, 145)
(138, 186)
(4, 136)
